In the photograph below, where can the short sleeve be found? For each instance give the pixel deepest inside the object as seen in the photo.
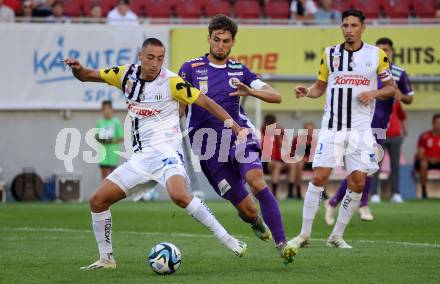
(251, 79)
(383, 69)
(186, 72)
(404, 84)
(323, 68)
(183, 91)
(113, 76)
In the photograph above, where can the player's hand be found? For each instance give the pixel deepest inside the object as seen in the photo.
(242, 89)
(241, 134)
(365, 98)
(72, 63)
(301, 91)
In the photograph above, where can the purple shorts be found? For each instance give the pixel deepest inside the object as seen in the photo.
(228, 177)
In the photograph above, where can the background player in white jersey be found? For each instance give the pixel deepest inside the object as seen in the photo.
(349, 74)
(153, 94)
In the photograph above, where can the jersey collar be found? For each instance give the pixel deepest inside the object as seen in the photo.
(215, 65)
(343, 46)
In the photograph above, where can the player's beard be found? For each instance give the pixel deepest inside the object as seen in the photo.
(218, 56)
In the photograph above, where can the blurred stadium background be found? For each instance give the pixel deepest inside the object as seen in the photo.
(40, 103)
(39, 97)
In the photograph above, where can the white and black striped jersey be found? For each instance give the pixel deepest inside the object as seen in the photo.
(348, 74)
(152, 105)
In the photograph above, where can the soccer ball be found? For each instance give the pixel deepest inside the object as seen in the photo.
(164, 258)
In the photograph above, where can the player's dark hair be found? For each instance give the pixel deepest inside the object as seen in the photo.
(222, 22)
(269, 119)
(435, 117)
(385, 41)
(152, 41)
(355, 13)
(107, 103)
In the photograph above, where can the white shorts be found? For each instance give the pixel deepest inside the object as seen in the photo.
(353, 150)
(145, 170)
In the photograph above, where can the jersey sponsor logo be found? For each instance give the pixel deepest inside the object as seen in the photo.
(197, 64)
(356, 80)
(204, 78)
(235, 66)
(235, 73)
(140, 109)
(202, 72)
(224, 186)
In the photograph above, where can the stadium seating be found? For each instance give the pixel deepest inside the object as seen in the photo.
(247, 9)
(73, 8)
(138, 7)
(106, 5)
(189, 9)
(277, 9)
(371, 9)
(424, 8)
(159, 8)
(214, 7)
(397, 8)
(342, 5)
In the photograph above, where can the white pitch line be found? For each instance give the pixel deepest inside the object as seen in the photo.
(188, 235)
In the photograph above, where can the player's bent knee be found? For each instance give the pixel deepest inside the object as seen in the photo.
(180, 198)
(319, 180)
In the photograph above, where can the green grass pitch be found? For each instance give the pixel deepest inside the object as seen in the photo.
(47, 243)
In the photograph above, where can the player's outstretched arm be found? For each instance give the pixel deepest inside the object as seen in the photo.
(315, 91)
(386, 92)
(82, 73)
(266, 93)
(216, 110)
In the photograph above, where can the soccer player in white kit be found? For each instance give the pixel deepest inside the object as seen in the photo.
(348, 74)
(152, 94)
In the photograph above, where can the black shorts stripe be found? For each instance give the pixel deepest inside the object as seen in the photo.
(137, 145)
(341, 59)
(340, 97)
(349, 96)
(330, 121)
(129, 72)
(331, 59)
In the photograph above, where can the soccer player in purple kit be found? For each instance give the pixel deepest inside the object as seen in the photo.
(381, 118)
(225, 81)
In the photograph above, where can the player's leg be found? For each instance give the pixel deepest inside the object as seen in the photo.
(394, 147)
(349, 204)
(312, 200)
(276, 168)
(364, 210)
(291, 172)
(269, 209)
(100, 202)
(422, 165)
(176, 186)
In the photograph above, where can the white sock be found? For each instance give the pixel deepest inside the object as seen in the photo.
(349, 204)
(102, 227)
(311, 206)
(203, 214)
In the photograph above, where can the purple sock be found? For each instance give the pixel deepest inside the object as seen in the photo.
(271, 214)
(339, 194)
(364, 199)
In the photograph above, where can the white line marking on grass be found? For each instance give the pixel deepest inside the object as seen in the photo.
(189, 235)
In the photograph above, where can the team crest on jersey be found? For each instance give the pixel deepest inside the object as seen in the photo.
(203, 86)
(233, 82)
(158, 97)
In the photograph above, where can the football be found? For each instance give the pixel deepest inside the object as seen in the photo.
(164, 258)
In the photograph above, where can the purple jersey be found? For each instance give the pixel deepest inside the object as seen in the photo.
(384, 108)
(215, 81)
